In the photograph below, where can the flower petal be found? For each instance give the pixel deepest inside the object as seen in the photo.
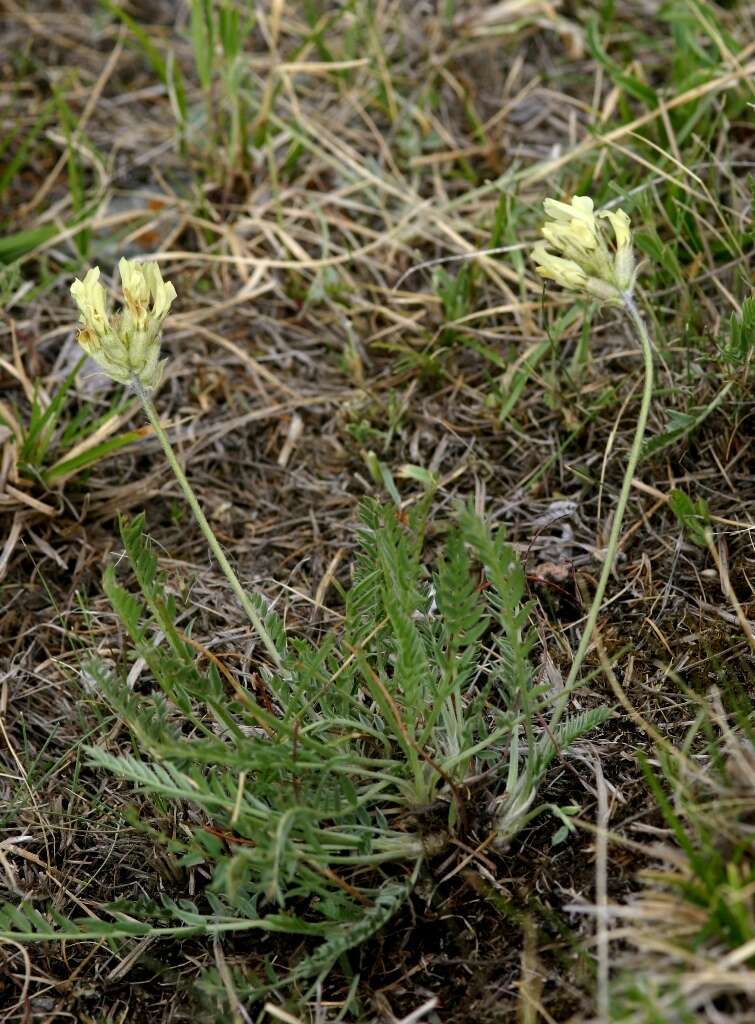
(621, 226)
(581, 208)
(567, 273)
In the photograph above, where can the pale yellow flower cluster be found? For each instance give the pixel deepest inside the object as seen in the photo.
(584, 260)
(127, 344)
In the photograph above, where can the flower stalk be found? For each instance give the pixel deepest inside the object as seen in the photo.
(634, 457)
(592, 265)
(220, 556)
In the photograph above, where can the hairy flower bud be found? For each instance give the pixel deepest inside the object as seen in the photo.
(586, 262)
(127, 345)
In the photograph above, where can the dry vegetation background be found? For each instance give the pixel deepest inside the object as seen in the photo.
(286, 195)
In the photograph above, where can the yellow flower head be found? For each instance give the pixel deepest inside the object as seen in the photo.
(583, 259)
(570, 275)
(127, 345)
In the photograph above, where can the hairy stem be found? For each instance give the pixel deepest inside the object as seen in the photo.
(613, 541)
(225, 565)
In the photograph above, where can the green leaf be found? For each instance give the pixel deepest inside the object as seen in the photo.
(69, 467)
(75, 177)
(629, 83)
(13, 247)
(693, 515)
(202, 40)
(176, 88)
(23, 149)
(42, 423)
(152, 54)
(741, 334)
(682, 425)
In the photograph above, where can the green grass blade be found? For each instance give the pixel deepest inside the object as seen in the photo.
(18, 161)
(152, 54)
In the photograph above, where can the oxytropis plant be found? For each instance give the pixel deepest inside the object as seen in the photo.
(312, 796)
